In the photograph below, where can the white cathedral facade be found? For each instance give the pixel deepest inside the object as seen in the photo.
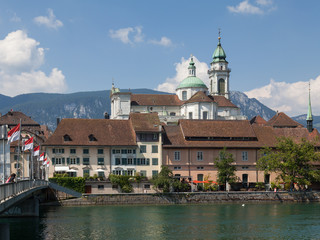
(193, 99)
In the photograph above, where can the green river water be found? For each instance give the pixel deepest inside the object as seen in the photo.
(216, 221)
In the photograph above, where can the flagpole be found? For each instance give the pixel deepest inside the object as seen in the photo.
(18, 166)
(4, 153)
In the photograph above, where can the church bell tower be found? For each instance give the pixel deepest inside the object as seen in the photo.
(219, 72)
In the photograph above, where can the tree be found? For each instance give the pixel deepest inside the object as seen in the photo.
(293, 162)
(226, 170)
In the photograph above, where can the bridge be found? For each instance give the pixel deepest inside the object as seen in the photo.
(23, 198)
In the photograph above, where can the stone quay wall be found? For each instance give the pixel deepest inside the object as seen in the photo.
(191, 198)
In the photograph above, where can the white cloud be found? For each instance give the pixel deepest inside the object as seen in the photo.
(20, 53)
(132, 35)
(171, 84)
(49, 21)
(20, 60)
(164, 41)
(291, 98)
(245, 7)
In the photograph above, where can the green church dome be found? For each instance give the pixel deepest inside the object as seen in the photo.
(192, 81)
(219, 55)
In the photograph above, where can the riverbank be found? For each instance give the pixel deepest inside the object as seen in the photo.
(189, 198)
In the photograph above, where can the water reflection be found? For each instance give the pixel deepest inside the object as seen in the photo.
(220, 221)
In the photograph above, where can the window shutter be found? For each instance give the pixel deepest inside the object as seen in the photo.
(148, 161)
(53, 150)
(78, 161)
(53, 161)
(113, 151)
(63, 161)
(134, 161)
(134, 151)
(62, 150)
(68, 161)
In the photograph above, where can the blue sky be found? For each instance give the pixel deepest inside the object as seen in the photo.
(68, 46)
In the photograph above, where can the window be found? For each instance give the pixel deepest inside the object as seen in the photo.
(143, 173)
(92, 138)
(59, 161)
(155, 161)
(67, 138)
(177, 156)
(15, 157)
(143, 148)
(86, 173)
(184, 95)
(130, 172)
(147, 186)
(245, 168)
(117, 172)
(142, 136)
(154, 149)
(58, 150)
(154, 173)
(172, 114)
(100, 187)
(205, 115)
(73, 151)
(100, 151)
(117, 162)
(267, 178)
(155, 136)
(244, 156)
(199, 156)
(86, 161)
(200, 177)
(129, 151)
(73, 160)
(190, 115)
(130, 161)
(116, 151)
(177, 168)
(123, 151)
(17, 165)
(85, 151)
(221, 86)
(100, 161)
(101, 174)
(115, 186)
(200, 168)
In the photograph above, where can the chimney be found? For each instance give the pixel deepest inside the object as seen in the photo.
(106, 115)
(58, 121)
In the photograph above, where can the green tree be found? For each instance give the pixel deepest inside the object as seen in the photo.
(293, 162)
(164, 179)
(226, 170)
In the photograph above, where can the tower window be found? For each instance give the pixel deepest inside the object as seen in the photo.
(190, 115)
(205, 115)
(221, 86)
(184, 95)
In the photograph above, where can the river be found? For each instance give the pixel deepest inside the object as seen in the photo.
(216, 221)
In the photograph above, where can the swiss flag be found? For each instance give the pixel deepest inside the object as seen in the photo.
(14, 134)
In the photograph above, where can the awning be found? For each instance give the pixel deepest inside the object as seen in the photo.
(196, 181)
(72, 170)
(99, 170)
(61, 169)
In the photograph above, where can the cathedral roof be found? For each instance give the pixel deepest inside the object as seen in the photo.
(199, 97)
(223, 102)
(192, 81)
(155, 100)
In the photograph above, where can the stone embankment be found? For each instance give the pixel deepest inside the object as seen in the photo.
(192, 198)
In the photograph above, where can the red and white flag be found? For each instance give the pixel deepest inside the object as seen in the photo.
(14, 134)
(36, 151)
(28, 144)
(44, 161)
(41, 158)
(48, 163)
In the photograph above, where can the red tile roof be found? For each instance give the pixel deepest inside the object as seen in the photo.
(282, 120)
(258, 120)
(106, 132)
(12, 118)
(199, 97)
(155, 100)
(145, 122)
(223, 102)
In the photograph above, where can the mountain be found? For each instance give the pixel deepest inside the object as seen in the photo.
(45, 108)
(302, 119)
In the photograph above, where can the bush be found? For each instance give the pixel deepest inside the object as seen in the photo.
(122, 181)
(75, 183)
(260, 186)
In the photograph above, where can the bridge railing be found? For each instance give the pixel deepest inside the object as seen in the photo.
(8, 190)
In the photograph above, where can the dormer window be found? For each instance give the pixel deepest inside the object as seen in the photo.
(67, 138)
(92, 138)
